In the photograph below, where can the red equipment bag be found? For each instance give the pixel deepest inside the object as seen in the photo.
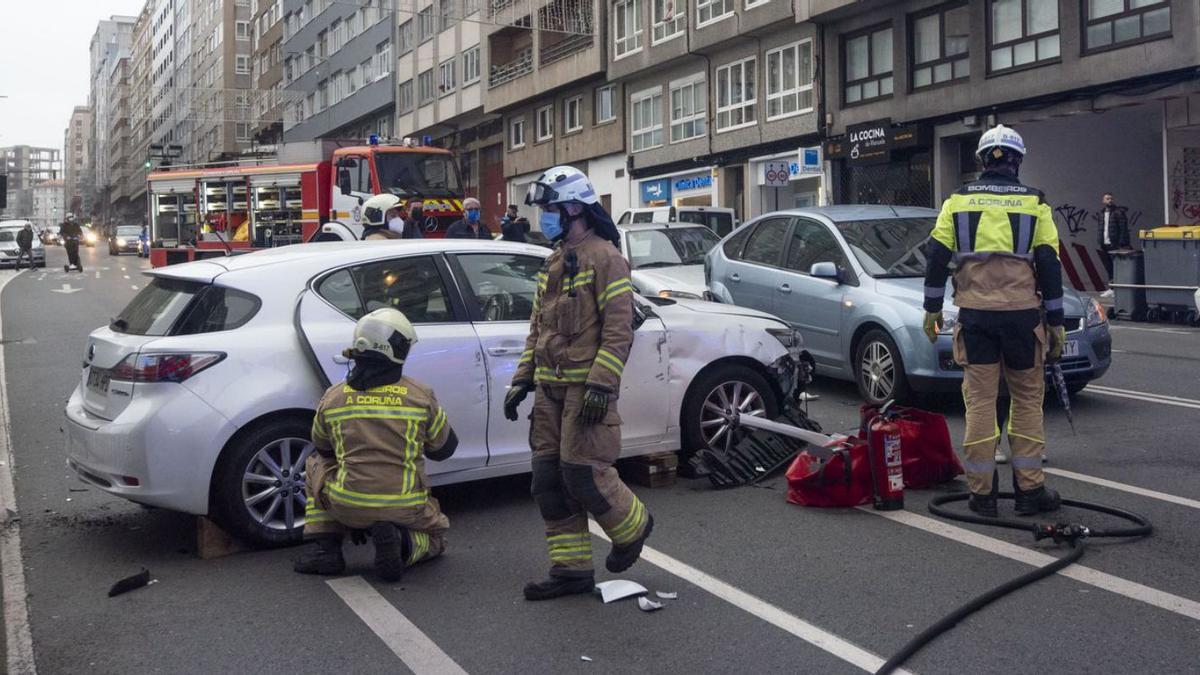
(925, 446)
(844, 479)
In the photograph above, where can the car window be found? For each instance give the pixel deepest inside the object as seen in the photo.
(669, 246)
(129, 231)
(643, 217)
(157, 306)
(813, 243)
(721, 223)
(503, 285)
(694, 217)
(733, 246)
(338, 288)
(765, 245)
(216, 309)
(411, 285)
(8, 235)
(624, 219)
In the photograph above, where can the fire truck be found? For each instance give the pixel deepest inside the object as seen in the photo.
(201, 213)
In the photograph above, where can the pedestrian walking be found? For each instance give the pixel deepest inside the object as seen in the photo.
(71, 234)
(513, 227)
(1114, 233)
(25, 245)
(471, 225)
(371, 434)
(1002, 237)
(580, 335)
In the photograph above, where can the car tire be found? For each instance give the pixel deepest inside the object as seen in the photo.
(700, 426)
(884, 379)
(233, 488)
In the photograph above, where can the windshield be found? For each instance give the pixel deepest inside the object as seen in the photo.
(9, 234)
(129, 230)
(669, 246)
(891, 247)
(417, 174)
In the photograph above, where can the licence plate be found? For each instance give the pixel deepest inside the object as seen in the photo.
(1071, 349)
(98, 381)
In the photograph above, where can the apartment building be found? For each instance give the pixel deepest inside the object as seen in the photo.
(139, 111)
(47, 204)
(76, 148)
(338, 68)
(545, 64)
(110, 42)
(26, 167)
(721, 103)
(266, 33)
(118, 142)
(169, 80)
(221, 54)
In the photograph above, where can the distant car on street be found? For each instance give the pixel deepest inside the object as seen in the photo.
(666, 259)
(50, 236)
(90, 237)
(719, 219)
(851, 280)
(199, 396)
(9, 248)
(124, 239)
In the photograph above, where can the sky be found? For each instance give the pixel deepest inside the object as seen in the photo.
(44, 64)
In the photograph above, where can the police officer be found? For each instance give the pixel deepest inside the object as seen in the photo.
(367, 473)
(1008, 286)
(580, 335)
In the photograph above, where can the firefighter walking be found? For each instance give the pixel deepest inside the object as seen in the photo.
(580, 335)
(367, 473)
(1008, 286)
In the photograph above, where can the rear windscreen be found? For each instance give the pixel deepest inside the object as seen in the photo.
(178, 307)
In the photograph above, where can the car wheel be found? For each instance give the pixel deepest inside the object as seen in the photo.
(711, 400)
(258, 490)
(879, 369)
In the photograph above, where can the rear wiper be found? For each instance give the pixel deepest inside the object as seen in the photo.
(118, 324)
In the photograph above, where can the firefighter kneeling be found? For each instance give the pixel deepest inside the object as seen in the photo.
(1002, 237)
(367, 473)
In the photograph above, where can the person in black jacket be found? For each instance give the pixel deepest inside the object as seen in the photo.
(25, 245)
(71, 233)
(1113, 231)
(471, 226)
(513, 227)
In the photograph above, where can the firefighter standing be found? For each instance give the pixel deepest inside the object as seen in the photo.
(381, 217)
(367, 473)
(1002, 238)
(580, 335)
(71, 233)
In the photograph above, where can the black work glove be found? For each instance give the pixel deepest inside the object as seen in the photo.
(516, 394)
(595, 406)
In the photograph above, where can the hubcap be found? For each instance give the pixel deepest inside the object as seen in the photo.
(273, 484)
(716, 416)
(877, 371)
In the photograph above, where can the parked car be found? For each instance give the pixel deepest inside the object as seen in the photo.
(125, 239)
(9, 248)
(718, 219)
(50, 236)
(667, 260)
(199, 395)
(851, 280)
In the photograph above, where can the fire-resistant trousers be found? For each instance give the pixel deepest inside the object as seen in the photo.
(1011, 344)
(425, 525)
(573, 475)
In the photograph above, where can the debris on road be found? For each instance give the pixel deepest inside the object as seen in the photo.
(130, 583)
(666, 596)
(647, 605)
(586, 658)
(619, 589)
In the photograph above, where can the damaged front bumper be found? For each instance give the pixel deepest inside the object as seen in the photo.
(793, 372)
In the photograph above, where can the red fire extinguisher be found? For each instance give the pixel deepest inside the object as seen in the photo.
(887, 470)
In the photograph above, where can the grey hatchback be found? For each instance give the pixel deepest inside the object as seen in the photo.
(851, 280)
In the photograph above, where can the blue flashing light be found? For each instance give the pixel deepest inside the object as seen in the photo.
(373, 139)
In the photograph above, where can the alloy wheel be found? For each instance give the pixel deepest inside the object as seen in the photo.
(720, 405)
(273, 484)
(877, 370)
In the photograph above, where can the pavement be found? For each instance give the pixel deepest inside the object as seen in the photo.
(763, 586)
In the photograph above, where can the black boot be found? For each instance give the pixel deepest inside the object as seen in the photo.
(984, 505)
(1038, 500)
(390, 551)
(326, 559)
(621, 558)
(556, 587)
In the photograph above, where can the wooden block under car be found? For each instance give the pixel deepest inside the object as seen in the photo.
(657, 470)
(213, 542)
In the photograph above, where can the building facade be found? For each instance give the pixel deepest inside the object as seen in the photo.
(110, 43)
(266, 34)
(76, 149)
(26, 167)
(220, 68)
(139, 112)
(47, 204)
(169, 80)
(118, 142)
(338, 68)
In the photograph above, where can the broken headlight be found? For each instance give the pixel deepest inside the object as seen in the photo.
(789, 338)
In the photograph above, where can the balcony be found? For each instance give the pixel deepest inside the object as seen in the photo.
(563, 48)
(507, 72)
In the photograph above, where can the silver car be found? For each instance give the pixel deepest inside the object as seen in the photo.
(851, 280)
(667, 260)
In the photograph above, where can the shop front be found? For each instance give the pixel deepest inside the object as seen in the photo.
(882, 163)
(692, 188)
(790, 180)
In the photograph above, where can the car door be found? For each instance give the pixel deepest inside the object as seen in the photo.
(499, 289)
(447, 356)
(753, 274)
(814, 306)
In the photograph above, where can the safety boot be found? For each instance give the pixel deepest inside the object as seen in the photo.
(558, 586)
(390, 558)
(621, 558)
(325, 559)
(984, 505)
(1038, 500)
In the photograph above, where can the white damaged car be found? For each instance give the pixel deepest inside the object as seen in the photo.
(199, 396)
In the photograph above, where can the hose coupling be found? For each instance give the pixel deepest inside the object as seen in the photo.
(1063, 532)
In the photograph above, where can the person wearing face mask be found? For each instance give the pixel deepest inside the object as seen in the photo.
(381, 218)
(415, 220)
(471, 226)
(580, 335)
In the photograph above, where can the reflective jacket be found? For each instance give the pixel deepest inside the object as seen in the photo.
(582, 324)
(378, 438)
(1001, 236)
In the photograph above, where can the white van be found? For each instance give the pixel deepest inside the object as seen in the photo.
(718, 219)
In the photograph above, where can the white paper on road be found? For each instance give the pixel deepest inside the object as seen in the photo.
(619, 589)
(647, 605)
(666, 596)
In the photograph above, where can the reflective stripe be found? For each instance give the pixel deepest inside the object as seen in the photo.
(962, 222)
(411, 448)
(935, 291)
(569, 375)
(581, 280)
(622, 285)
(1053, 304)
(985, 466)
(526, 356)
(1024, 234)
(984, 255)
(570, 536)
(989, 439)
(628, 529)
(439, 421)
(608, 360)
(341, 495)
(315, 514)
(1026, 462)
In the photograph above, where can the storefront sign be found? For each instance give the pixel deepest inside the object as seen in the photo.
(809, 164)
(776, 174)
(656, 191)
(872, 142)
(701, 181)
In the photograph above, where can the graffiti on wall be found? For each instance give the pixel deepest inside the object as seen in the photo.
(1185, 186)
(1075, 219)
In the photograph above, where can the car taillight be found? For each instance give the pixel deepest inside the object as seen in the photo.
(163, 367)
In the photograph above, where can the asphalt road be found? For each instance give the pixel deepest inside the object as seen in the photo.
(759, 580)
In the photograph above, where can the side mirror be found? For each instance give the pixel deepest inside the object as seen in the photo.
(825, 270)
(344, 181)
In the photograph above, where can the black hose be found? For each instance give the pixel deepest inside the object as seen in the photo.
(1075, 535)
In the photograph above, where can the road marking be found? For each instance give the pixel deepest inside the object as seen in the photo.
(1133, 489)
(822, 639)
(134, 287)
(1144, 396)
(1151, 330)
(414, 648)
(66, 288)
(18, 639)
(1092, 577)
(125, 275)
